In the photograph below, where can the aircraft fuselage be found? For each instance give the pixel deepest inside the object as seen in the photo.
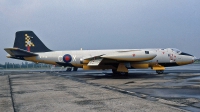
(78, 58)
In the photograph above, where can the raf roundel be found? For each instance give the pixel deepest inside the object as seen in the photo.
(67, 58)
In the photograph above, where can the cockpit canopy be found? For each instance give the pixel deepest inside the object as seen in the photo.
(180, 52)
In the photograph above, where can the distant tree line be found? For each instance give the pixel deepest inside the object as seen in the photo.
(198, 61)
(9, 65)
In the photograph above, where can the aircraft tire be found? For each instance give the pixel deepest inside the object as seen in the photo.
(115, 73)
(124, 73)
(75, 68)
(69, 69)
(159, 71)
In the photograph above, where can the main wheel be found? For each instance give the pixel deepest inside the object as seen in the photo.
(75, 68)
(115, 73)
(124, 73)
(69, 69)
(159, 71)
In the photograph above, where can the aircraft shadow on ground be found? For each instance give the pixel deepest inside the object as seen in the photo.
(111, 76)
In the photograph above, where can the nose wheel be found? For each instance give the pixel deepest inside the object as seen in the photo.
(159, 71)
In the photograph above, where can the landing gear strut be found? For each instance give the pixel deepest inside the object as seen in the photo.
(159, 71)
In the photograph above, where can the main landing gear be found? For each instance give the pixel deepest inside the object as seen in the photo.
(159, 71)
(116, 73)
(69, 69)
(75, 68)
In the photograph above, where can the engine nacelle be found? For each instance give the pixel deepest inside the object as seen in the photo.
(131, 56)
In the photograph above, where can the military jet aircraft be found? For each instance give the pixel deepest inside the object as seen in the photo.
(29, 47)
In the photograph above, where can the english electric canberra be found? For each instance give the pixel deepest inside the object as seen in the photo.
(29, 47)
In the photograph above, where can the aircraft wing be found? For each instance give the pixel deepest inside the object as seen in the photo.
(120, 56)
(130, 55)
(92, 57)
(16, 52)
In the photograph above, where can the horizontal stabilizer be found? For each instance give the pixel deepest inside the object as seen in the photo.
(16, 52)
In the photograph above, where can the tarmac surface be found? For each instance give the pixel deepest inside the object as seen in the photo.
(178, 89)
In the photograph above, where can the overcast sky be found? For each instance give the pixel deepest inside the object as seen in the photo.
(103, 24)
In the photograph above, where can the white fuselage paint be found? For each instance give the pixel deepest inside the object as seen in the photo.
(166, 56)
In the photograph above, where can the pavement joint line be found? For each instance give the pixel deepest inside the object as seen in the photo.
(11, 95)
(130, 92)
(174, 104)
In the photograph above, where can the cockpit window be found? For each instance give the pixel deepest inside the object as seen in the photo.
(186, 54)
(176, 50)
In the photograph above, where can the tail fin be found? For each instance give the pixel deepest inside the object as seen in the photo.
(27, 40)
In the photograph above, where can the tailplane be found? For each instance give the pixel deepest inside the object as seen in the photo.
(27, 40)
